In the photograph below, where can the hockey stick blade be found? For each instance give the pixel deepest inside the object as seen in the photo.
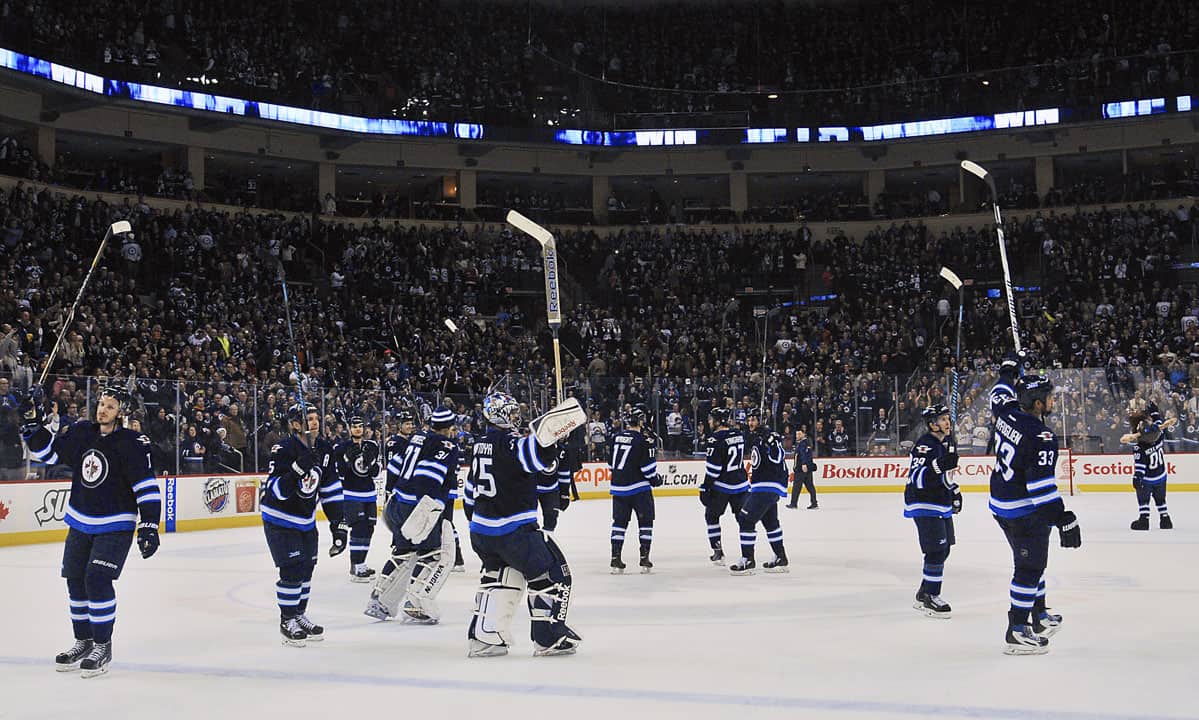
(530, 228)
(952, 277)
(120, 226)
(981, 173)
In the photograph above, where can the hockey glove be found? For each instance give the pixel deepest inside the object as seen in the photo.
(1011, 366)
(147, 538)
(1067, 529)
(563, 497)
(656, 481)
(340, 537)
(1137, 482)
(957, 500)
(31, 414)
(946, 462)
(370, 452)
(703, 495)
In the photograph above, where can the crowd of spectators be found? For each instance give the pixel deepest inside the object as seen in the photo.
(425, 58)
(187, 311)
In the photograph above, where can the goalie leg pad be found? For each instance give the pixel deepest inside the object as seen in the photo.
(390, 588)
(549, 604)
(428, 577)
(500, 590)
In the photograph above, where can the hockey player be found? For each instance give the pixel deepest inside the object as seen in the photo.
(768, 483)
(395, 447)
(113, 495)
(1026, 502)
(930, 499)
(634, 474)
(299, 474)
(1149, 467)
(725, 482)
(501, 492)
(422, 546)
(357, 464)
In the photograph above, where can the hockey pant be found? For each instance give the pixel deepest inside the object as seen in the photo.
(717, 503)
(936, 538)
(294, 553)
(1157, 491)
(361, 517)
(535, 557)
(760, 507)
(1028, 537)
(90, 563)
(623, 508)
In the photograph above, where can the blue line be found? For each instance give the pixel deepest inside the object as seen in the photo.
(619, 693)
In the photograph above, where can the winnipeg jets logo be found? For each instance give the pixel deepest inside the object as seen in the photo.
(310, 482)
(1047, 436)
(922, 449)
(93, 468)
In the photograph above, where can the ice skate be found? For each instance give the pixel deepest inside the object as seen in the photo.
(1046, 624)
(717, 556)
(293, 634)
(777, 565)
(68, 660)
(932, 605)
(96, 662)
(743, 566)
(376, 609)
(1141, 523)
(316, 633)
(646, 566)
(617, 565)
(1165, 523)
(566, 645)
(1021, 640)
(362, 574)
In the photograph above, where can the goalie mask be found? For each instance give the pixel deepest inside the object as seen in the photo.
(501, 410)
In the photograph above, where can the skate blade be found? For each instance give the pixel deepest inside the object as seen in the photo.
(66, 667)
(777, 569)
(617, 571)
(376, 614)
(315, 638)
(741, 572)
(419, 619)
(554, 651)
(1025, 650)
(362, 578)
(94, 673)
(646, 571)
(288, 642)
(479, 649)
(458, 569)
(1049, 632)
(932, 613)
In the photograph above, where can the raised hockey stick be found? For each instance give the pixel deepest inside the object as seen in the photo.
(295, 356)
(978, 171)
(553, 308)
(117, 228)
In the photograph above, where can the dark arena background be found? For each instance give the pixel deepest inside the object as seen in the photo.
(831, 265)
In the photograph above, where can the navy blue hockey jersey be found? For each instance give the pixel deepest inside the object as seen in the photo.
(1023, 480)
(394, 450)
(429, 467)
(112, 481)
(357, 464)
(725, 468)
(768, 463)
(929, 492)
(297, 476)
(502, 484)
(1149, 458)
(634, 463)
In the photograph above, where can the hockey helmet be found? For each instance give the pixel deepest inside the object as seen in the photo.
(721, 415)
(636, 415)
(1031, 388)
(932, 412)
(118, 393)
(501, 410)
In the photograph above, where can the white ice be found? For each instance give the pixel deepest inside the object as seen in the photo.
(196, 633)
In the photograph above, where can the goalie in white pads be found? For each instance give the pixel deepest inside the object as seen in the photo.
(501, 495)
(422, 541)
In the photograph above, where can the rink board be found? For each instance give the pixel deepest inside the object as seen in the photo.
(32, 512)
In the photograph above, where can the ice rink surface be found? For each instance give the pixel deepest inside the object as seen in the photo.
(196, 632)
